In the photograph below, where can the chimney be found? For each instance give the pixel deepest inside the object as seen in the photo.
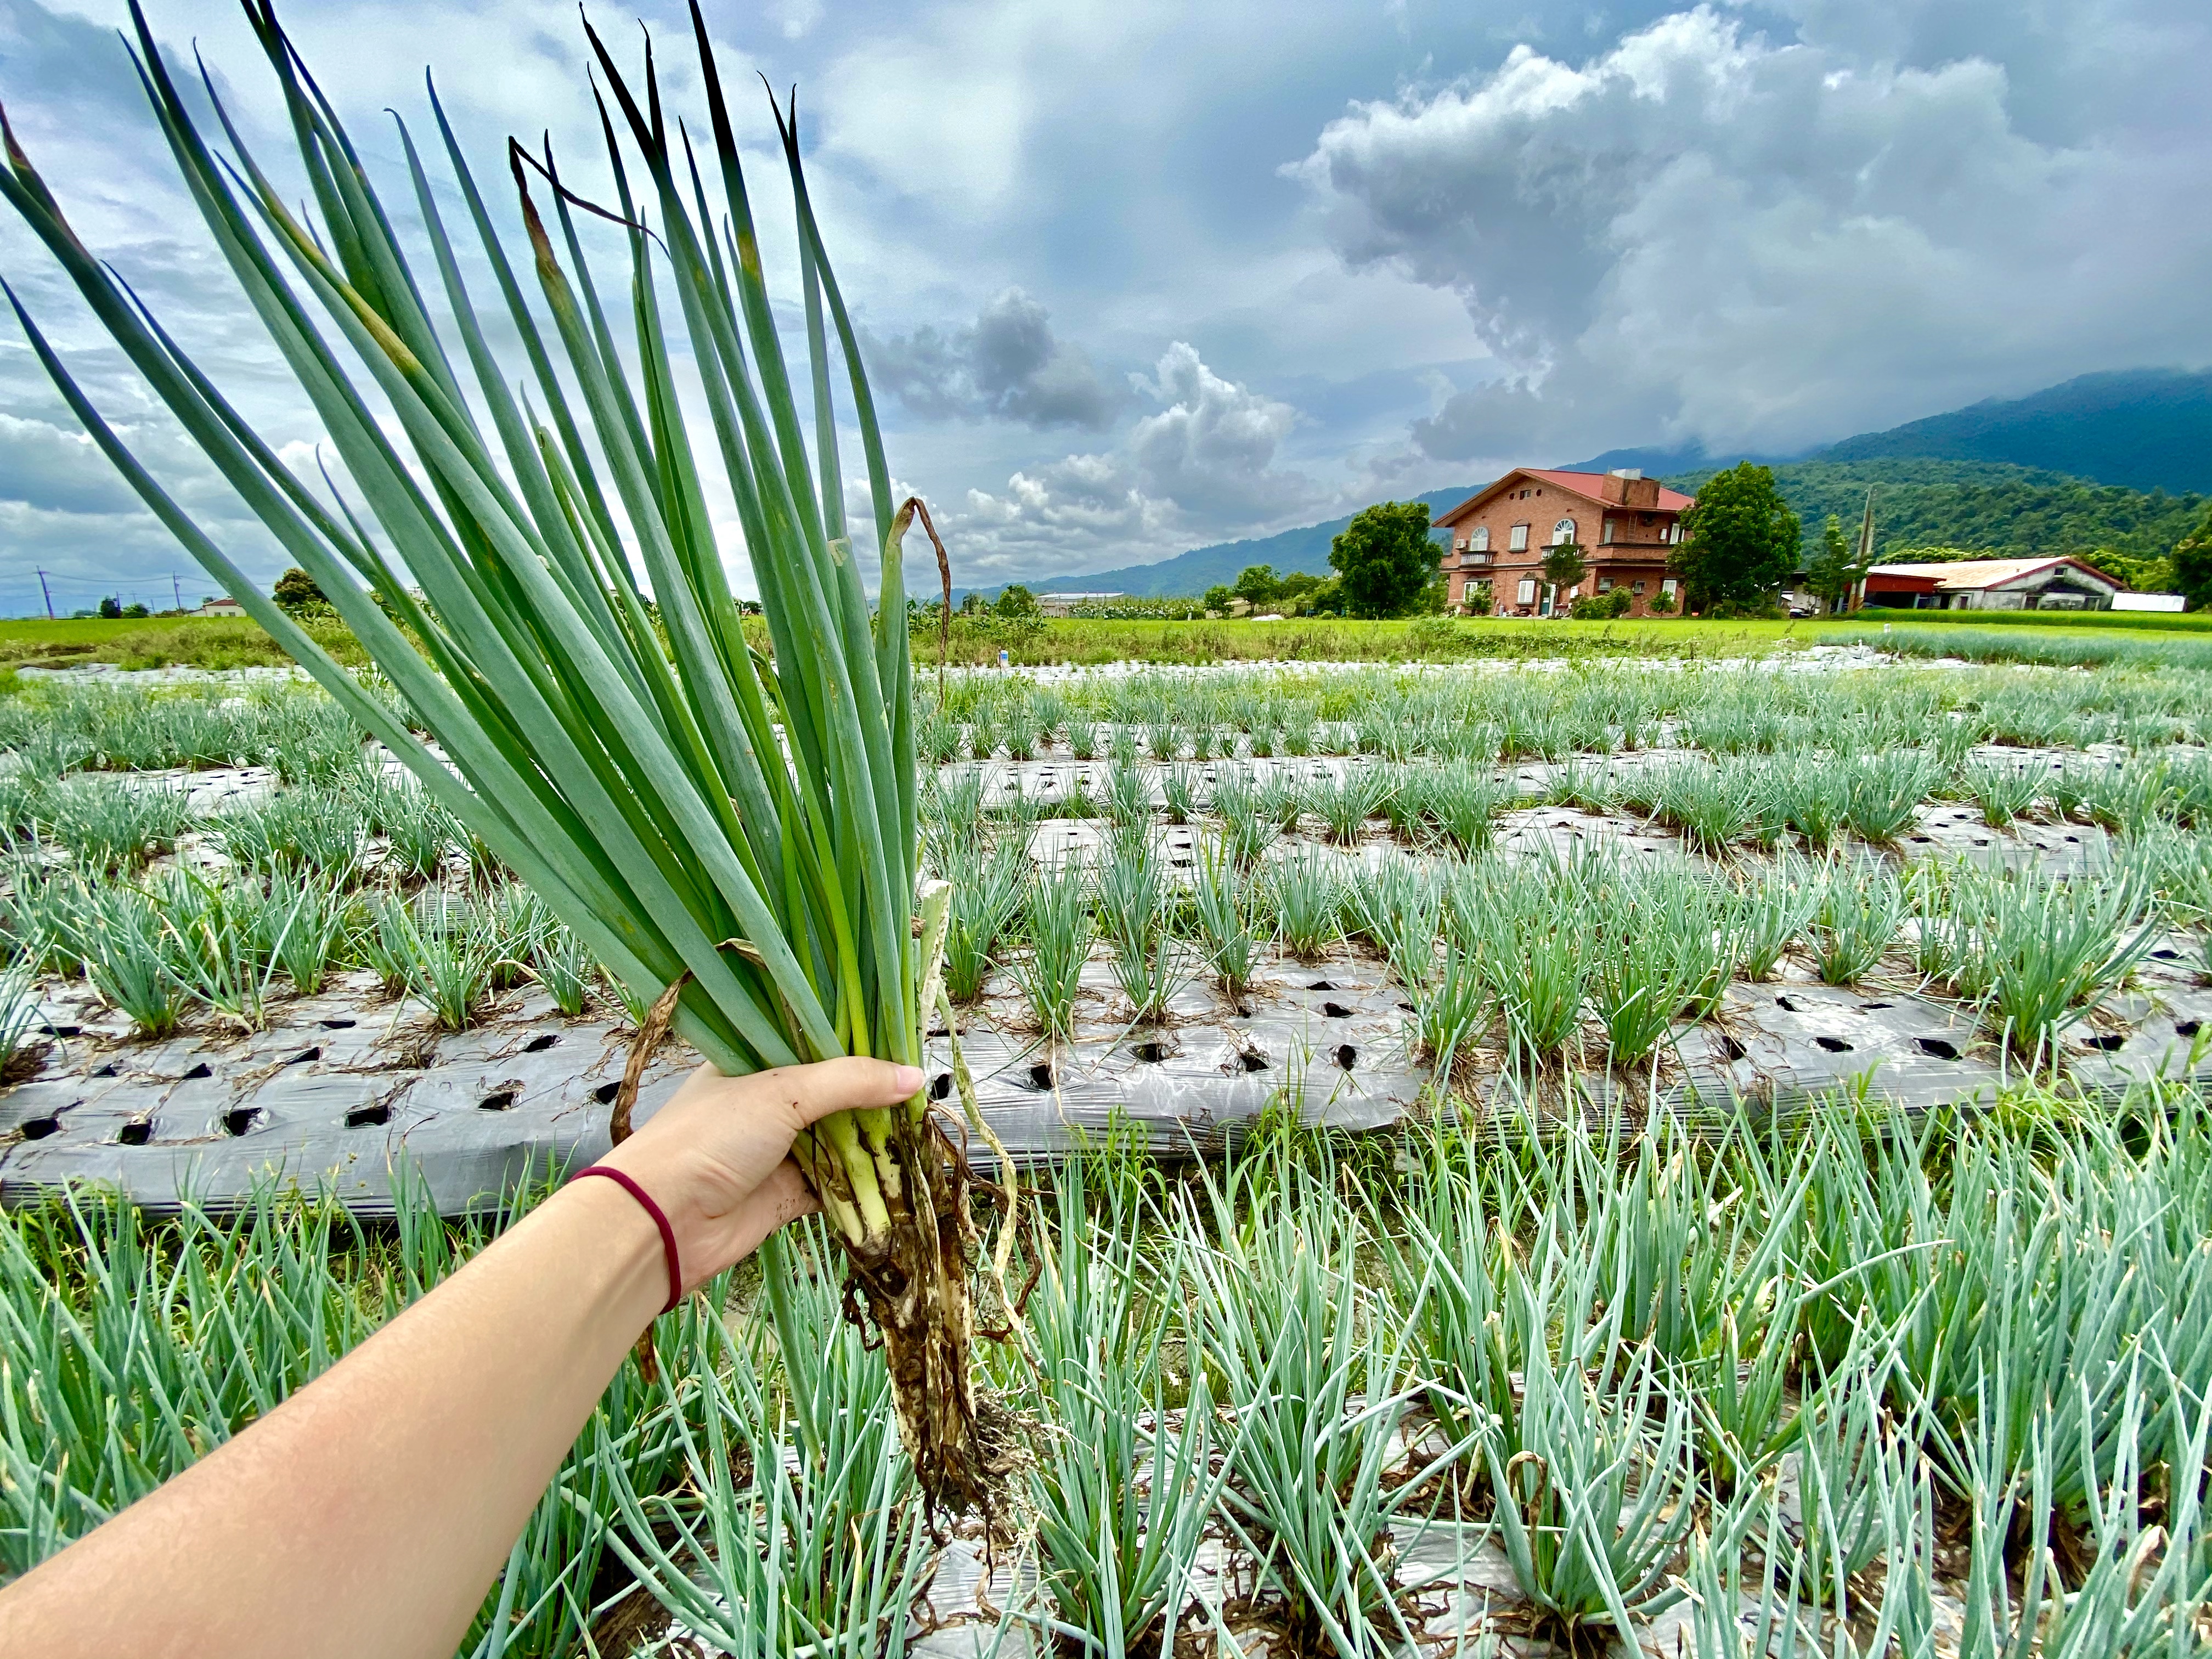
(1630, 487)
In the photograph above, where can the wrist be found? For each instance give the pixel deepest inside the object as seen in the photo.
(629, 1266)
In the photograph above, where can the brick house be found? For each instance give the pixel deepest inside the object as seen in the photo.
(1627, 525)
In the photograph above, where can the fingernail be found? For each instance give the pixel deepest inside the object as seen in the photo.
(908, 1081)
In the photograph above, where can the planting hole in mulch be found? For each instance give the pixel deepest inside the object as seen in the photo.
(1347, 1056)
(500, 1101)
(368, 1117)
(339, 1024)
(39, 1128)
(135, 1134)
(304, 1056)
(1935, 1047)
(2105, 1043)
(1334, 1010)
(940, 1086)
(605, 1093)
(1041, 1076)
(2187, 1028)
(538, 1045)
(197, 1074)
(241, 1120)
(1833, 1045)
(1151, 1053)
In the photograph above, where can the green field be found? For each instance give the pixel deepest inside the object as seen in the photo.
(1947, 1264)
(229, 643)
(209, 642)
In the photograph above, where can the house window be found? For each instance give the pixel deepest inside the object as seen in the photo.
(1636, 587)
(1645, 518)
(1604, 583)
(1518, 541)
(1563, 532)
(1525, 592)
(1668, 587)
(1605, 536)
(1478, 540)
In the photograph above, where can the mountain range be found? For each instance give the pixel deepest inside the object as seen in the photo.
(2143, 434)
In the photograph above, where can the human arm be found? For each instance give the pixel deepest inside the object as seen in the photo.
(368, 1514)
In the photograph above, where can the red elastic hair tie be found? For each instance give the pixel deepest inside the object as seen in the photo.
(659, 1220)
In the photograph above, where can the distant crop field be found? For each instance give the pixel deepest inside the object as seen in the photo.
(1080, 640)
(210, 642)
(216, 644)
(2152, 622)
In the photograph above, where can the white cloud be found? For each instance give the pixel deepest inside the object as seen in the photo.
(1707, 234)
(1205, 462)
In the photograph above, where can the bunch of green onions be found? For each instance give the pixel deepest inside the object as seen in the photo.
(733, 833)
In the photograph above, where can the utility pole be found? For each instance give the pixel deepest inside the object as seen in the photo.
(177, 588)
(1863, 560)
(48, 593)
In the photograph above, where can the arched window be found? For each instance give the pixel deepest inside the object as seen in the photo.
(1563, 532)
(1477, 539)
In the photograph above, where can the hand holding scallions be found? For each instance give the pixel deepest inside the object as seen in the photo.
(368, 1514)
(717, 1158)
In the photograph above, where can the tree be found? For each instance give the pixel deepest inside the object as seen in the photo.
(1385, 557)
(1478, 600)
(1256, 586)
(296, 591)
(134, 610)
(111, 607)
(1740, 541)
(1218, 598)
(1565, 565)
(2143, 575)
(2193, 563)
(1324, 598)
(1015, 600)
(1841, 565)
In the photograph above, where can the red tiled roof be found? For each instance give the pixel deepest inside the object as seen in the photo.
(1588, 485)
(1592, 485)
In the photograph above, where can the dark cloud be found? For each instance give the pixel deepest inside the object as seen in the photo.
(1503, 418)
(1006, 366)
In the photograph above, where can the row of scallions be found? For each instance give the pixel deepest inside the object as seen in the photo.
(735, 825)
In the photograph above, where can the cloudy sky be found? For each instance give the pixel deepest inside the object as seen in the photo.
(1136, 276)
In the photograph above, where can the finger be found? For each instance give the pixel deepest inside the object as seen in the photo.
(812, 1092)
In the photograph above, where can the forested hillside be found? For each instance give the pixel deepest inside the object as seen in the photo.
(2013, 512)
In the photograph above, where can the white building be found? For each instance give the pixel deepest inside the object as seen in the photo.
(2053, 584)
